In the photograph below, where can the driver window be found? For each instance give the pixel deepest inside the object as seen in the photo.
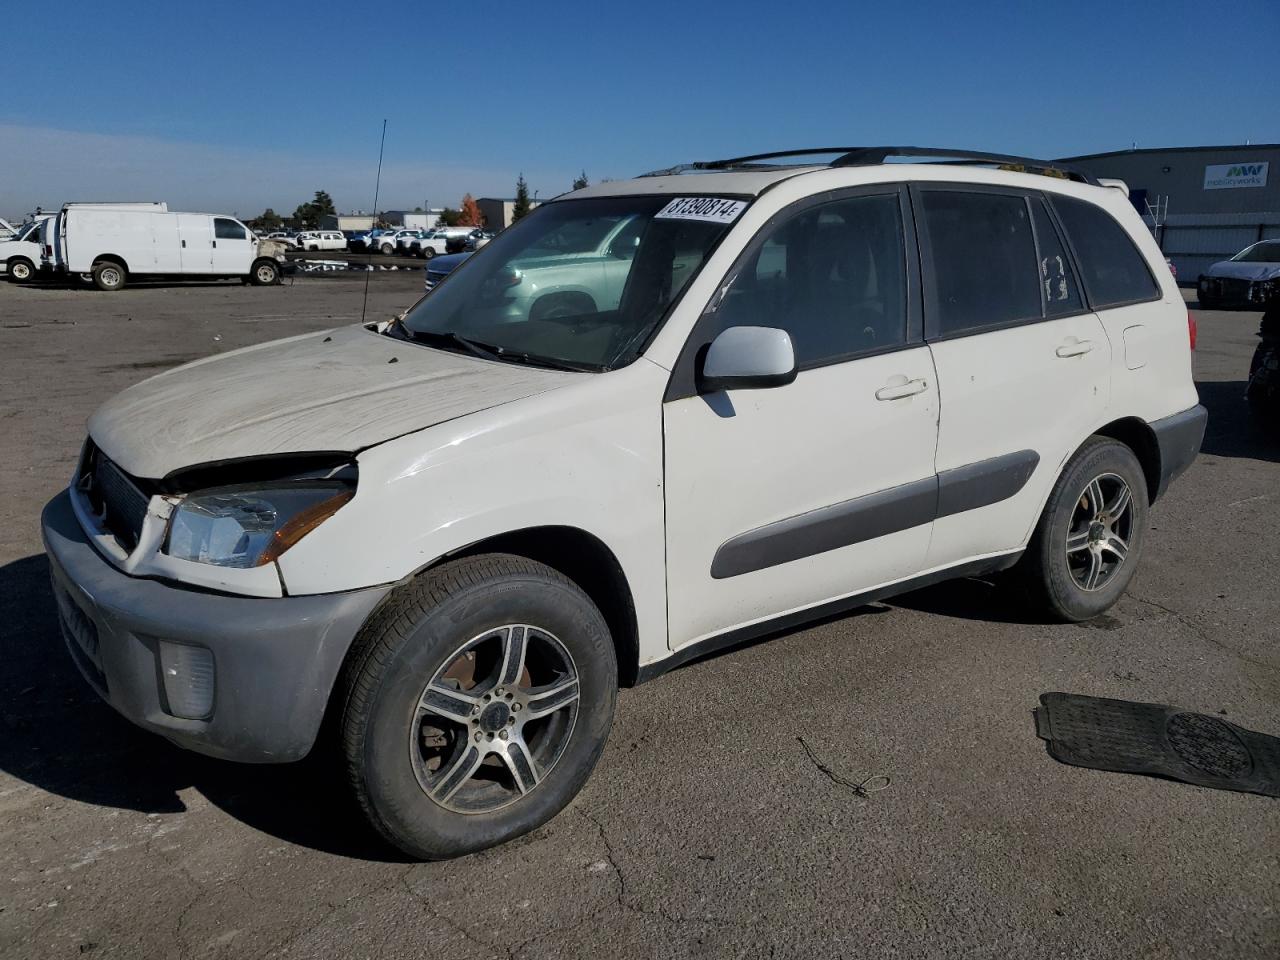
(833, 276)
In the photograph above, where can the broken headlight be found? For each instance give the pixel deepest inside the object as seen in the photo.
(249, 527)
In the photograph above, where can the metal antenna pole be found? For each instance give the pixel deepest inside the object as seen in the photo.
(377, 185)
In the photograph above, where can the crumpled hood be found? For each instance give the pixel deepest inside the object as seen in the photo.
(336, 390)
(1244, 271)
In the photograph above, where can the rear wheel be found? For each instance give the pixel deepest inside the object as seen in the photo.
(1086, 547)
(476, 705)
(428, 253)
(388, 249)
(108, 275)
(21, 270)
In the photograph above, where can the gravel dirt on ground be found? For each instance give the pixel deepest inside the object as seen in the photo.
(722, 820)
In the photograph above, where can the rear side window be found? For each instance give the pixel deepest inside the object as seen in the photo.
(1114, 272)
(225, 229)
(983, 254)
(1058, 285)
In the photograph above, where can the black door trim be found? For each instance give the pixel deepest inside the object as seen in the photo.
(875, 514)
(778, 625)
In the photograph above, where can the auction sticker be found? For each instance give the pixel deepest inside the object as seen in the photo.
(711, 209)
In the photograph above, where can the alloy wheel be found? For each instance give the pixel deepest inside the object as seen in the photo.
(495, 718)
(1098, 536)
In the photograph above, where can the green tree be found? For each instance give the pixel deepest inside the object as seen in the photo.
(269, 220)
(449, 217)
(581, 181)
(522, 204)
(309, 214)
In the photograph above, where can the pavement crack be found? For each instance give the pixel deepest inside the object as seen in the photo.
(491, 948)
(625, 901)
(862, 789)
(1200, 631)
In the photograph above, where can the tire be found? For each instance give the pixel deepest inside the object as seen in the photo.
(313, 248)
(1083, 583)
(461, 616)
(387, 249)
(109, 275)
(428, 253)
(21, 270)
(265, 273)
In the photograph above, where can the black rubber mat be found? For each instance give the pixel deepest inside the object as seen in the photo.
(1159, 741)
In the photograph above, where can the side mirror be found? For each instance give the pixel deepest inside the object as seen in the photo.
(749, 358)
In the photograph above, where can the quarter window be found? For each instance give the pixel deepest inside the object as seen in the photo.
(983, 255)
(1058, 286)
(225, 229)
(1114, 271)
(833, 276)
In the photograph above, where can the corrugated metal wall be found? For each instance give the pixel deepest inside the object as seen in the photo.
(1195, 241)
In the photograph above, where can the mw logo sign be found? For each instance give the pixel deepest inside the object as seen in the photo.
(1227, 175)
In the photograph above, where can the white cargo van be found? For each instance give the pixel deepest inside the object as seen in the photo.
(112, 242)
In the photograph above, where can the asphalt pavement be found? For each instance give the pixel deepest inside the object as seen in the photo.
(871, 786)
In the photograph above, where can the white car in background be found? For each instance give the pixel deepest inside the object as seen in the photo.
(386, 242)
(321, 240)
(748, 398)
(20, 256)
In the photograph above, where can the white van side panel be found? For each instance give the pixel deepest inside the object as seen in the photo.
(165, 242)
(94, 233)
(195, 231)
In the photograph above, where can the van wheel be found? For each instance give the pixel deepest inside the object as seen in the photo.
(108, 275)
(475, 704)
(265, 273)
(21, 270)
(1086, 547)
(428, 253)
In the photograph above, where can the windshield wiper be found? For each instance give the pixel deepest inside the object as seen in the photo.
(448, 338)
(493, 351)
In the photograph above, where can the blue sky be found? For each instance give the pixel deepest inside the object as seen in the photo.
(235, 106)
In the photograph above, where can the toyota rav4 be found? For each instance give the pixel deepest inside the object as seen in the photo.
(655, 418)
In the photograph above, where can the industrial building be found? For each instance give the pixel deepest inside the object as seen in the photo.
(1204, 204)
(497, 213)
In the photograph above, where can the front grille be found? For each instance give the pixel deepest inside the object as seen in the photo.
(116, 498)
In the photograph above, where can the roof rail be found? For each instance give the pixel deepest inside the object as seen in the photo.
(869, 156)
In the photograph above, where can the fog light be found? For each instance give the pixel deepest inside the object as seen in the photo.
(188, 679)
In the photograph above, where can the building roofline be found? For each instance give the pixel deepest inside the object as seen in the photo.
(1147, 150)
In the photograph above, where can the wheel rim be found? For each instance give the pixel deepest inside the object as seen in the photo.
(492, 723)
(20, 271)
(110, 276)
(265, 274)
(1100, 529)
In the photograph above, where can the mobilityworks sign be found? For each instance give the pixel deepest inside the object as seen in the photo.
(1225, 175)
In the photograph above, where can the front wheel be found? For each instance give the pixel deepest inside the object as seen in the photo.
(388, 249)
(21, 270)
(1086, 547)
(476, 704)
(428, 253)
(265, 273)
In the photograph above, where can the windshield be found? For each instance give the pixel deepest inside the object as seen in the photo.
(1266, 252)
(579, 283)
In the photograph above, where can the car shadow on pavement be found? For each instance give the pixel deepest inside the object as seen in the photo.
(1233, 431)
(58, 736)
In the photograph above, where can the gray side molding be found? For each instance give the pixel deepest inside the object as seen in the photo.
(876, 514)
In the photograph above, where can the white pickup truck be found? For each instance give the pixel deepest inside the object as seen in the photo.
(20, 255)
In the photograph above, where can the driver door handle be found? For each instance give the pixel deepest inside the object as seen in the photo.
(1072, 347)
(899, 387)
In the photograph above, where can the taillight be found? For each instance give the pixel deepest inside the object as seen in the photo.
(1191, 328)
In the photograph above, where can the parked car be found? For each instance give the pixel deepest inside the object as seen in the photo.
(20, 256)
(440, 267)
(113, 242)
(369, 242)
(290, 240)
(1250, 279)
(403, 241)
(321, 240)
(1263, 389)
(820, 386)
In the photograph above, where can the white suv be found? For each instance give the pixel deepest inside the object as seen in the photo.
(461, 530)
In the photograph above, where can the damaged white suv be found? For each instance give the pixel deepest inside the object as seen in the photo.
(804, 386)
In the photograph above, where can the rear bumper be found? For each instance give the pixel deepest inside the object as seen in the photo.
(1178, 438)
(274, 661)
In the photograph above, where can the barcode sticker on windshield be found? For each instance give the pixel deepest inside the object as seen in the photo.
(710, 209)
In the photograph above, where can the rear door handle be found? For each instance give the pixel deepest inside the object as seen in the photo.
(900, 387)
(1074, 348)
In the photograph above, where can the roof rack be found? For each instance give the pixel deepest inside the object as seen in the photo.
(870, 156)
